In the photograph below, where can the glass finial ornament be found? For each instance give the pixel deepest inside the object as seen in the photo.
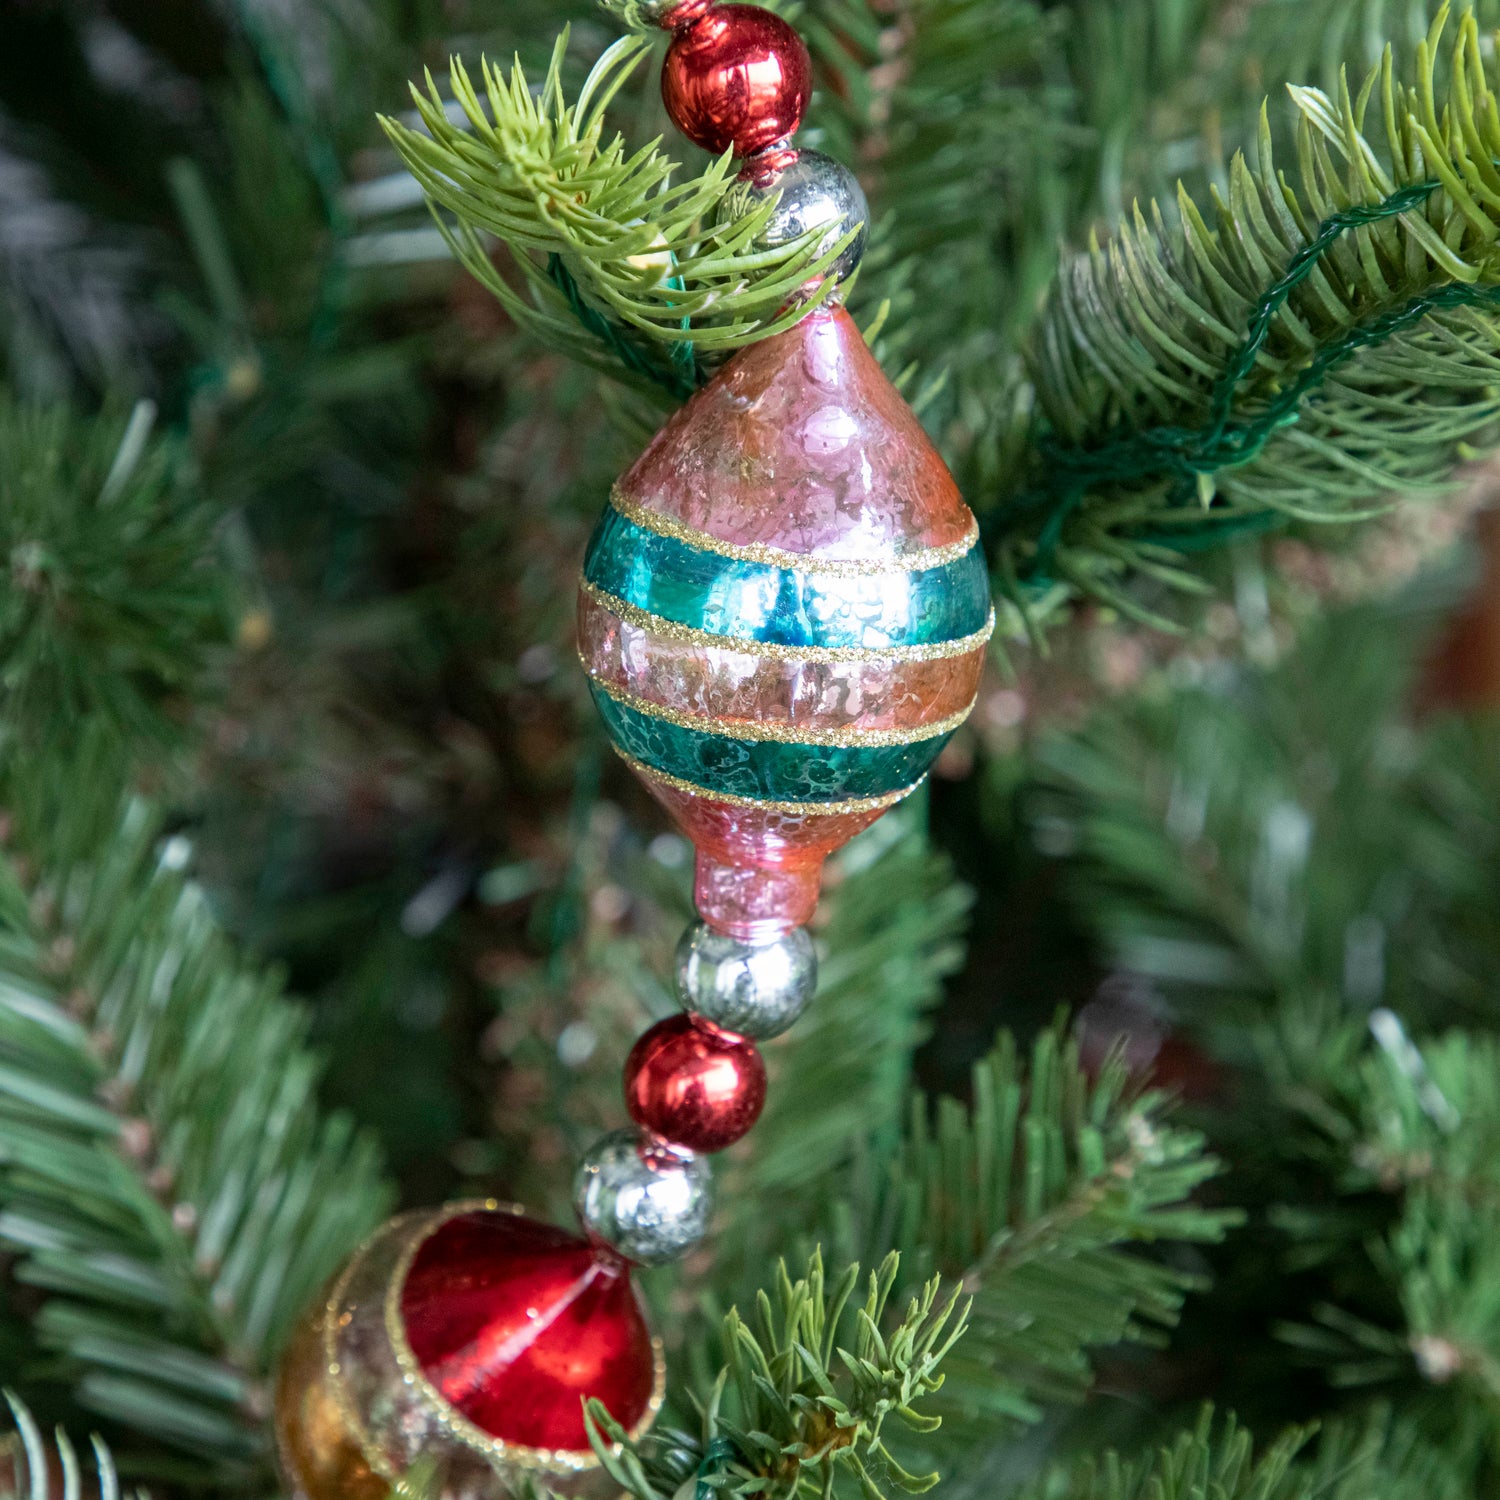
(783, 615)
(467, 1336)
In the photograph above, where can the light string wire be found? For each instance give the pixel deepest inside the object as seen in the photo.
(1070, 473)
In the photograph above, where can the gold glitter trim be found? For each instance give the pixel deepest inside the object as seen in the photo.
(811, 809)
(338, 1388)
(847, 738)
(496, 1450)
(798, 562)
(772, 651)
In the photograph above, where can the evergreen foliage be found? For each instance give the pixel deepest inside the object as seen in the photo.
(1217, 1461)
(805, 1392)
(1319, 931)
(28, 1465)
(166, 1176)
(113, 599)
(1267, 399)
(250, 388)
(1037, 1195)
(627, 251)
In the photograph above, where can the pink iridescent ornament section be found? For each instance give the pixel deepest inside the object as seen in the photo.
(758, 869)
(801, 443)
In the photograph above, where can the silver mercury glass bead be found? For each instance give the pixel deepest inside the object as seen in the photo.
(642, 1198)
(816, 191)
(756, 989)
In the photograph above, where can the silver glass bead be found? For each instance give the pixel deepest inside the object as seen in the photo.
(756, 989)
(642, 1198)
(816, 191)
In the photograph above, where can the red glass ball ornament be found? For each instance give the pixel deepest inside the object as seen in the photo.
(514, 1322)
(694, 1084)
(739, 76)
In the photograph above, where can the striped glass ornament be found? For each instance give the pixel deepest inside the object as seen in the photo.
(783, 615)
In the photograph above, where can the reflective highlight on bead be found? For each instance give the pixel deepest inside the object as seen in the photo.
(756, 989)
(812, 192)
(737, 78)
(642, 1199)
(694, 1084)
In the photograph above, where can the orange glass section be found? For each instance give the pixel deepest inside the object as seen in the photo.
(721, 683)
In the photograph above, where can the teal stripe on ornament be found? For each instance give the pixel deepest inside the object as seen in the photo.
(755, 601)
(765, 770)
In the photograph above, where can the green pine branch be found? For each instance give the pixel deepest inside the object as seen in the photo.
(619, 266)
(1316, 39)
(113, 599)
(167, 1181)
(1217, 1460)
(31, 1468)
(1309, 882)
(807, 1393)
(1040, 1196)
(1297, 354)
(1422, 1123)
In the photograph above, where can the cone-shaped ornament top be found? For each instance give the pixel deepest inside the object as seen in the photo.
(801, 443)
(783, 615)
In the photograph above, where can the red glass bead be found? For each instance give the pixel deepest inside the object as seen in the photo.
(515, 1322)
(694, 1084)
(739, 76)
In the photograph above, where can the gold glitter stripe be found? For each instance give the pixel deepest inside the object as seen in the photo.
(670, 630)
(847, 738)
(335, 1384)
(797, 562)
(813, 809)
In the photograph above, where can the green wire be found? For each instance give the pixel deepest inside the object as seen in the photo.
(682, 377)
(1222, 443)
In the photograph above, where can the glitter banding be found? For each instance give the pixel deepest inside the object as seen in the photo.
(773, 651)
(765, 770)
(782, 734)
(784, 615)
(919, 560)
(791, 809)
(750, 600)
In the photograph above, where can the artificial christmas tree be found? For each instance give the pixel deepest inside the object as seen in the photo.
(295, 482)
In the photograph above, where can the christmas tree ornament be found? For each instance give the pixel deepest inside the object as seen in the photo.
(695, 1085)
(784, 609)
(468, 1335)
(809, 191)
(642, 1198)
(757, 989)
(735, 77)
(783, 616)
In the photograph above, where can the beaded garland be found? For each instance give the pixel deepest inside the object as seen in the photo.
(783, 615)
